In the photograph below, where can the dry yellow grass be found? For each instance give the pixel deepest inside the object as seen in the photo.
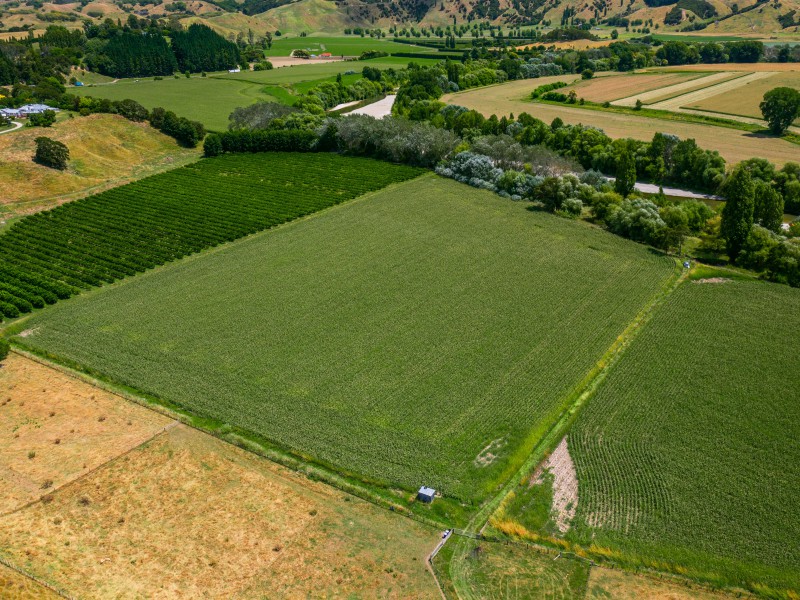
(745, 102)
(732, 144)
(689, 87)
(14, 586)
(608, 583)
(748, 67)
(69, 425)
(187, 515)
(105, 150)
(614, 87)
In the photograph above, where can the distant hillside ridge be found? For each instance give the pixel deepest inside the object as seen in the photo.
(293, 17)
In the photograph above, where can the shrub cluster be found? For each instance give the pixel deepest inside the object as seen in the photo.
(244, 140)
(547, 88)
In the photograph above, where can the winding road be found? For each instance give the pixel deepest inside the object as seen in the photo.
(15, 125)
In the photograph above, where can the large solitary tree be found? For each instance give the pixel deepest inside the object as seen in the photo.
(51, 153)
(780, 107)
(737, 216)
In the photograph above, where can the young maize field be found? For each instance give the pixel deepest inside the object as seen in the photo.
(688, 457)
(127, 230)
(430, 333)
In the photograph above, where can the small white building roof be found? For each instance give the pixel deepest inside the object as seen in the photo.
(426, 491)
(27, 108)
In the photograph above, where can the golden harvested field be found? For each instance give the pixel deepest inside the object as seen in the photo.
(14, 586)
(747, 98)
(748, 67)
(732, 144)
(620, 585)
(688, 87)
(105, 151)
(181, 515)
(614, 87)
(69, 426)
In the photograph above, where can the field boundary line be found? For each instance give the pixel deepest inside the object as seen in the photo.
(582, 393)
(264, 449)
(683, 93)
(36, 579)
(172, 424)
(429, 561)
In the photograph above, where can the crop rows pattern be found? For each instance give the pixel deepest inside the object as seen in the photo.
(130, 229)
(395, 338)
(689, 452)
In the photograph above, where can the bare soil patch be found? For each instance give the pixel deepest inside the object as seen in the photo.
(565, 485)
(713, 280)
(291, 61)
(187, 516)
(55, 428)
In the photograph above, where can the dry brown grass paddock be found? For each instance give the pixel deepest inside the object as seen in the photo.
(183, 515)
(105, 150)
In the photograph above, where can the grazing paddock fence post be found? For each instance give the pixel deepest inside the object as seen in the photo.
(36, 579)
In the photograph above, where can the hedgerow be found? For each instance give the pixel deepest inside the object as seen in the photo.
(57, 253)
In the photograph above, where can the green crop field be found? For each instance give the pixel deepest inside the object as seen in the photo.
(129, 229)
(428, 334)
(340, 46)
(688, 456)
(206, 99)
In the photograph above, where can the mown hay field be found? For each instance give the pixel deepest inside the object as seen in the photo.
(732, 144)
(614, 87)
(497, 570)
(688, 457)
(429, 333)
(748, 67)
(746, 99)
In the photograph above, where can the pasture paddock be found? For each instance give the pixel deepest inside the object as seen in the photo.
(15, 586)
(421, 323)
(69, 426)
(212, 99)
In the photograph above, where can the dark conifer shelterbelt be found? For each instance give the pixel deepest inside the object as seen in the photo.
(200, 48)
(137, 55)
